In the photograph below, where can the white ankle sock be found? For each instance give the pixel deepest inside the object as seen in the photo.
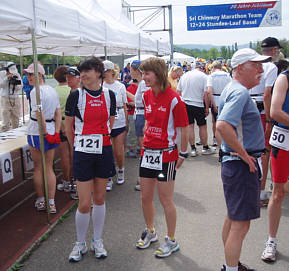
(263, 194)
(51, 201)
(98, 216)
(231, 268)
(40, 199)
(272, 239)
(81, 223)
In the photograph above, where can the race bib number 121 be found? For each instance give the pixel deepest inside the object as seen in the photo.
(88, 143)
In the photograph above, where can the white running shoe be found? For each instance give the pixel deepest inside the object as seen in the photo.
(120, 177)
(109, 184)
(64, 186)
(146, 239)
(269, 253)
(78, 250)
(99, 250)
(167, 248)
(208, 151)
(194, 152)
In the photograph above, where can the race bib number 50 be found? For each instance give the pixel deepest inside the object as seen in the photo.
(152, 159)
(279, 138)
(88, 143)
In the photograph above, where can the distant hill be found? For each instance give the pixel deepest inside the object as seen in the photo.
(207, 46)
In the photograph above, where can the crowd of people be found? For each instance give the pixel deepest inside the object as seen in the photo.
(98, 120)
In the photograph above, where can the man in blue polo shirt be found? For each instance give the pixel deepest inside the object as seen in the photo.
(240, 127)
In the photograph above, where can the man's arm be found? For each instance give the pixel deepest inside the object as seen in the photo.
(211, 98)
(229, 135)
(267, 101)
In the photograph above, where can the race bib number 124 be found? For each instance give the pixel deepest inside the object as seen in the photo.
(152, 159)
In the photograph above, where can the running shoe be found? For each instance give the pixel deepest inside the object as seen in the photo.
(137, 187)
(120, 177)
(63, 186)
(99, 250)
(215, 143)
(208, 151)
(265, 201)
(146, 239)
(194, 152)
(199, 143)
(241, 267)
(269, 253)
(78, 250)
(130, 154)
(73, 187)
(40, 205)
(109, 184)
(74, 196)
(52, 208)
(167, 248)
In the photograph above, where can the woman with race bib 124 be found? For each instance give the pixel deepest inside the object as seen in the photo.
(164, 113)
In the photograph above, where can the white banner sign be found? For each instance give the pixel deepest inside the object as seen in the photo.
(6, 167)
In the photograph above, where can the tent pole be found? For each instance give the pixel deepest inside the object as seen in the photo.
(105, 52)
(63, 59)
(171, 33)
(21, 72)
(139, 43)
(40, 122)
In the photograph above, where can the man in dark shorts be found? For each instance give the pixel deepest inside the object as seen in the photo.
(240, 127)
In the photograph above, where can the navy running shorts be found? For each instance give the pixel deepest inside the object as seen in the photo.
(34, 141)
(117, 131)
(241, 190)
(87, 166)
(168, 173)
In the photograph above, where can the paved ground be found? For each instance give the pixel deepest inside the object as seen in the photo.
(201, 210)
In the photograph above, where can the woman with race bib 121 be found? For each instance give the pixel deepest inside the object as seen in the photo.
(93, 108)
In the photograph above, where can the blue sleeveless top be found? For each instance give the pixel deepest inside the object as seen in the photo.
(285, 106)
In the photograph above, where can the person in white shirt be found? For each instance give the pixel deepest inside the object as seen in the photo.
(217, 81)
(118, 131)
(192, 87)
(51, 116)
(10, 88)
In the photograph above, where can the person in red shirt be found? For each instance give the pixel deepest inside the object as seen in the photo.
(164, 113)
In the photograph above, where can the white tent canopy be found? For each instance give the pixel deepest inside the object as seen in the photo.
(65, 26)
(179, 57)
(142, 57)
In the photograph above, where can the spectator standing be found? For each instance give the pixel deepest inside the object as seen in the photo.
(10, 89)
(217, 81)
(126, 71)
(51, 116)
(192, 87)
(240, 126)
(174, 74)
(118, 131)
(63, 91)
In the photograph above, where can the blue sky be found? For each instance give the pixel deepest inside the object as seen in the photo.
(216, 37)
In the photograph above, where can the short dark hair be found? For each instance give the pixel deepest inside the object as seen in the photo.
(60, 74)
(91, 63)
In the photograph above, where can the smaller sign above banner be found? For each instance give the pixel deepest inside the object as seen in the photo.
(228, 16)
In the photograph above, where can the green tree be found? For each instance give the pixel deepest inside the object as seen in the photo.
(224, 52)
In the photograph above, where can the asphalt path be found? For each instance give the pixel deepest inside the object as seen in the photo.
(201, 211)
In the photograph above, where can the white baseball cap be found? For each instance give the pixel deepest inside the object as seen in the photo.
(108, 65)
(247, 54)
(30, 68)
